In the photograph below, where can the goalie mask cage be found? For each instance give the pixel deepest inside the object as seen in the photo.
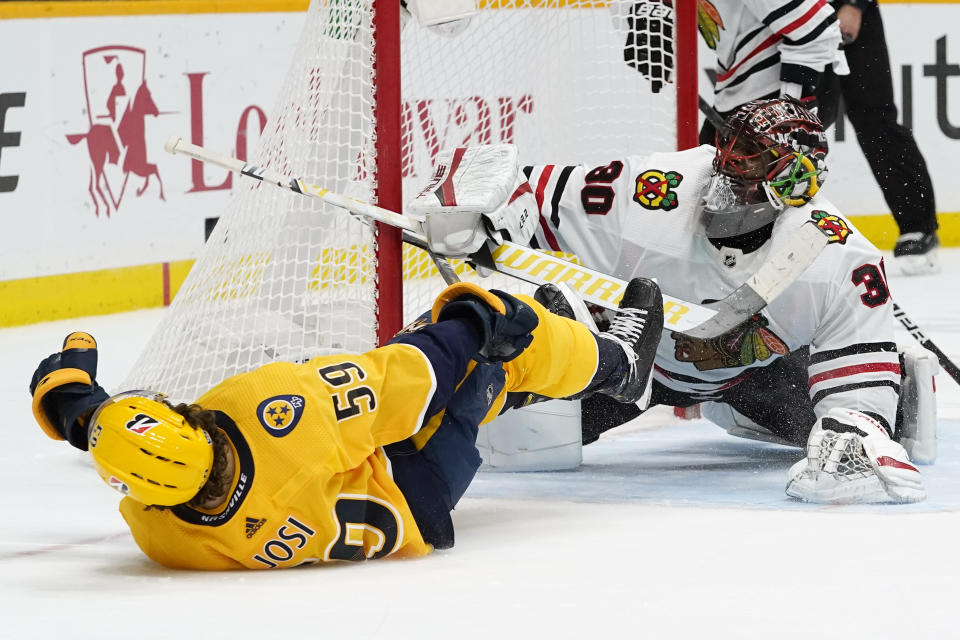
(284, 277)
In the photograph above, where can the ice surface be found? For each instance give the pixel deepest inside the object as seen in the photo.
(668, 530)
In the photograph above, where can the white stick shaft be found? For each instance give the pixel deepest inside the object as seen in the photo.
(177, 145)
(523, 263)
(594, 287)
(780, 271)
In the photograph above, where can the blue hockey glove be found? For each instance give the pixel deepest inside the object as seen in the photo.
(64, 390)
(503, 322)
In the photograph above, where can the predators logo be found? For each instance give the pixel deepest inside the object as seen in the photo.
(834, 227)
(709, 22)
(280, 414)
(741, 347)
(654, 190)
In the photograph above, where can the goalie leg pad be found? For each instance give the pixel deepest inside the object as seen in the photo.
(739, 425)
(540, 437)
(835, 471)
(542, 434)
(917, 413)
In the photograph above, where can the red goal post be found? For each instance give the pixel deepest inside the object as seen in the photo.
(678, 123)
(369, 100)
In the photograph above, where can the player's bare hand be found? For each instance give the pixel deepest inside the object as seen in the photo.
(849, 18)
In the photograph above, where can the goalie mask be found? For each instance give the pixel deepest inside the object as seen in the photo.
(769, 155)
(146, 450)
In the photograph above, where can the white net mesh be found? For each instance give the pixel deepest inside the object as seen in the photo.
(285, 277)
(548, 75)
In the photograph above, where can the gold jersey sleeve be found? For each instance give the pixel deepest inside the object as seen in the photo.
(312, 483)
(561, 360)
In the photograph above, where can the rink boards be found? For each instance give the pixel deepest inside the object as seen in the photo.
(71, 252)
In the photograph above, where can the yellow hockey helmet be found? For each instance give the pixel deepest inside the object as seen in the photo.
(148, 451)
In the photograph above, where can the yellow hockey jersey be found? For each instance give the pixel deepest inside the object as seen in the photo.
(312, 482)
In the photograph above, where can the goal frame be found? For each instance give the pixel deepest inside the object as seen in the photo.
(388, 192)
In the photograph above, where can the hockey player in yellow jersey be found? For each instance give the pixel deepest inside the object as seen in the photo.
(343, 457)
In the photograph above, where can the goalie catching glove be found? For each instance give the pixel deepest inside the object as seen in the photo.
(851, 459)
(65, 390)
(476, 194)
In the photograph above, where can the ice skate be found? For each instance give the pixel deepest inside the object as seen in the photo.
(637, 328)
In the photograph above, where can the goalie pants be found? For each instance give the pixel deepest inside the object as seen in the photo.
(776, 397)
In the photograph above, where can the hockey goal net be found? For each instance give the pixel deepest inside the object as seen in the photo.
(288, 277)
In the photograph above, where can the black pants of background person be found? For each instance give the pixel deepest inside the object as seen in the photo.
(889, 147)
(776, 397)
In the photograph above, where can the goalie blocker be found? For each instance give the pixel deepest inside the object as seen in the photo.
(476, 193)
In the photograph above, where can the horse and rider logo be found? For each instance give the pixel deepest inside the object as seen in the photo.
(118, 102)
(654, 189)
(834, 227)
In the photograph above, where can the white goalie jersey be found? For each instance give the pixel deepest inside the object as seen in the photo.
(640, 217)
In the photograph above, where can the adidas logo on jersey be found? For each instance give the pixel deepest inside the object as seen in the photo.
(253, 525)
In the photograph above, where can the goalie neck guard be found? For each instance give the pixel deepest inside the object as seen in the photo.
(146, 450)
(770, 154)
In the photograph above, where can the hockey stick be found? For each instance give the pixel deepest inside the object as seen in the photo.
(926, 342)
(537, 267)
(524, 263)
(447, 272)
(767, 283)
(711, 114)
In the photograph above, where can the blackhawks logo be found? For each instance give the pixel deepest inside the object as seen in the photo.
(709, 23)
(834, 227)
(654, 190)
(750, 342)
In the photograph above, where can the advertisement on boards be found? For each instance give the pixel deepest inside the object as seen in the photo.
(925, 68)
(84, 180)
(85, 184)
